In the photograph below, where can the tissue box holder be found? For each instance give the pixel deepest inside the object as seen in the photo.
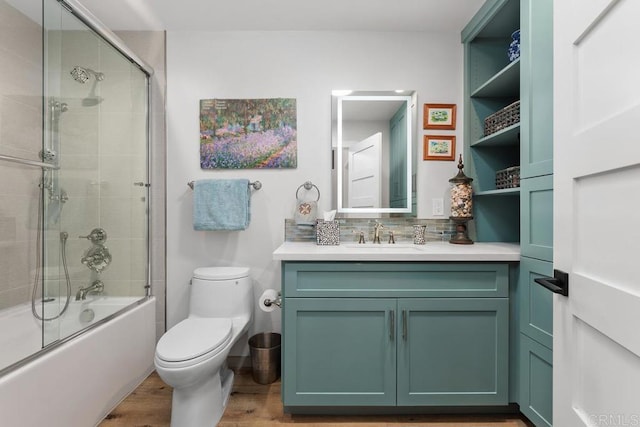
(327, 232)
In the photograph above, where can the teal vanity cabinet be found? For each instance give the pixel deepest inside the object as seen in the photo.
(387, 334)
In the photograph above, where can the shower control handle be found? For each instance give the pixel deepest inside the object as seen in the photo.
(97, 236)
(141, 184)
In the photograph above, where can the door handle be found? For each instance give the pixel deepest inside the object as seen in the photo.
(392, 324)
(404, 325)
(558, 284)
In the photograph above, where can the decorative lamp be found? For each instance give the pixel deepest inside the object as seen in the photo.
(461, 205)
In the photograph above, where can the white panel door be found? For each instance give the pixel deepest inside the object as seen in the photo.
(365, 171)
(596, 346)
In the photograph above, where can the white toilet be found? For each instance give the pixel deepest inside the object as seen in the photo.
(191, 356)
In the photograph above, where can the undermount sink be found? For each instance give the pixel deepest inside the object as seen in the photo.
(384, 247)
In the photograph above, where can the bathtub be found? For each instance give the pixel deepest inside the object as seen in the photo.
(83, 376)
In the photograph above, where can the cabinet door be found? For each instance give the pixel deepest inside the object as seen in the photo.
(536, 207)
(453, 351)
(536, 382)
(339, 352)
(536, 302)
(536, 87)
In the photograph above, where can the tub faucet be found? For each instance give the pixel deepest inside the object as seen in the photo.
(96, 287)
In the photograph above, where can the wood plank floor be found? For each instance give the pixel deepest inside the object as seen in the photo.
(255, 405)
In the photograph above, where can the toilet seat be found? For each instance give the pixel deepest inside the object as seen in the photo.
(193, 338)
(220, 273)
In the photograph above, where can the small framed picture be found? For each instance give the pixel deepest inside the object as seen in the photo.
(439, 147)
(439, 116)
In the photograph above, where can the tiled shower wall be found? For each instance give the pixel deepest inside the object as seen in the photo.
(20, 136)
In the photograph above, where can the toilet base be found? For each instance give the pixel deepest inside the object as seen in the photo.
(202, 404)
(227, 376)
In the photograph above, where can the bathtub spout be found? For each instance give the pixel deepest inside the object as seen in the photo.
(96, 287)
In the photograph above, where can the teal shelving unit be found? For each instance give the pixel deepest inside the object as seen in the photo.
(491, 83)
(523, 214)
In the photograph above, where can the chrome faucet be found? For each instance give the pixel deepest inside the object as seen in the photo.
(376, 232)
(96, 287)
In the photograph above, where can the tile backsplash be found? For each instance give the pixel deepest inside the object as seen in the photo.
(350, 228)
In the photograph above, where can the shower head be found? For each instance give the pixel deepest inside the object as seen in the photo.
(91, 101)
(81, 74)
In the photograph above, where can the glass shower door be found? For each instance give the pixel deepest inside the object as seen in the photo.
(95, 216)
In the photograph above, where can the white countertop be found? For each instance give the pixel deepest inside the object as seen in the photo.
(432, 251)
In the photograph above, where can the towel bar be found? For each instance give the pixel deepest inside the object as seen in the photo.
(255, 184)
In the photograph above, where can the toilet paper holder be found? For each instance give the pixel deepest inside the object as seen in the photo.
(277, 301)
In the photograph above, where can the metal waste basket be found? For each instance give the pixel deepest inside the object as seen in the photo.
(265, 357)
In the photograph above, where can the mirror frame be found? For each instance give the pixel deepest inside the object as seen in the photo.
(337, 108)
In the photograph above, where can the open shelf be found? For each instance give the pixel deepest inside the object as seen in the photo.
(506, 136)
(502, 192)
(506, 83)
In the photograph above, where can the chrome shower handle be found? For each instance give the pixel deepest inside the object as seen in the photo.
(97, 258)
(97, 236)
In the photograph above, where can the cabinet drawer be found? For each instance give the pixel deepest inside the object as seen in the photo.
(536, 302)
(388, 279)
(536, 206)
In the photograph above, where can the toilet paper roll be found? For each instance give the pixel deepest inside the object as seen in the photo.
(268, 295)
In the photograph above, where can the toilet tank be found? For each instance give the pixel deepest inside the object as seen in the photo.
(221, 292)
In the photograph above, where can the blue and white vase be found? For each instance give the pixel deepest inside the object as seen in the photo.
(514, 47)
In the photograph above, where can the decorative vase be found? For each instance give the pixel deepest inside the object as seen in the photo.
(461, 205)
(514, 47)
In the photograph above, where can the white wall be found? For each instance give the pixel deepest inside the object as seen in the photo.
(301, 65)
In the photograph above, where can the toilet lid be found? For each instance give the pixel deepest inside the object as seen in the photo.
(193, 337)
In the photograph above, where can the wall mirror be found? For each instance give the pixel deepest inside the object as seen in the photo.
(373, 145)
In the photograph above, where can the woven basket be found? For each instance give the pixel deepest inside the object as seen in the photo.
(503, 118)
(508, 178)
